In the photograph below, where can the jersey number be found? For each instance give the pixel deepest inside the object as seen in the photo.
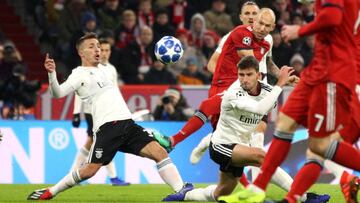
(319, 122)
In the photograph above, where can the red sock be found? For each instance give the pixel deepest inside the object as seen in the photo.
(304, 179)
(193, 124)
(342, 153)
(208, 107)
(243, 180)
(275, 156)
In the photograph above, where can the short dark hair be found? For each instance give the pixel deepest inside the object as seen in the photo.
(103, 41)
(88, 35)
(248, 62)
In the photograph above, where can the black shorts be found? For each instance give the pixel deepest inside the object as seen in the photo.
(89, 122)
(125, 136)
(221, 154)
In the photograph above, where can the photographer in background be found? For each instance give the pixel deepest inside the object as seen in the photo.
(18, 94)
(172, 107)
(9, 58)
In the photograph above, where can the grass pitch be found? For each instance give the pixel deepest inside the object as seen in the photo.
(133, 193)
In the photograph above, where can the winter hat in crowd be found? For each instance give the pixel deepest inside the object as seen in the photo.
(297, 58)
(172, 92)
(87, 16)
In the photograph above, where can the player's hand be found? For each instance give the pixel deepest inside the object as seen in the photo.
(49, 64)
(284, 75)
(290, 32)
(76, 120)
(293, 80)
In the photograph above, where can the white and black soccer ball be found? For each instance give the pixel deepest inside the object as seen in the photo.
(168, 50)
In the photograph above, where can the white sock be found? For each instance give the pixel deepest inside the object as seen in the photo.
(170, 174)
(282, 179)
(201, 194)
(335, 168)
(257, 140)
(205, 142)
(80, 159)
(254, 172)
(67, 182)
(111, 170)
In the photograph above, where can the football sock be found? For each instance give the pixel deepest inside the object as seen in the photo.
(191, 126)
(334, 168)
(111, 170)
(68, 181)
(254, 172)
(169, 173)
(205, 142)
(80, 159)
(339, 152)
(201, 194)
(282, 179)
(243, 180)
(280, 147)
(305, 178)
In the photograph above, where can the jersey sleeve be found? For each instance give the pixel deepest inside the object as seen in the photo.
(70, 85)
(242, 101)
(221, 43)
(242, 38)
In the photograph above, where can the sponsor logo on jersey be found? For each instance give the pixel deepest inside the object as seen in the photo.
(254, 119)
(246, 41)
(98, 153)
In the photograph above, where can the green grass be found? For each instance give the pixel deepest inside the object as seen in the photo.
(133, 193)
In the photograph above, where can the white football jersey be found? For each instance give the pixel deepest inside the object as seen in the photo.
(94, 86)
(111, 73)
(262, 63)
(241, 113)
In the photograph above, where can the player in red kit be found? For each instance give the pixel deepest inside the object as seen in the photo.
(321, 101)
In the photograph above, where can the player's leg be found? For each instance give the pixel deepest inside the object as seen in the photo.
(200, 149)
(83, 152)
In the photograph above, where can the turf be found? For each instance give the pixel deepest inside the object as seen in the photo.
(133, 193)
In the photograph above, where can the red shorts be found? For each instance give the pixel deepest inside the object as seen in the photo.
(322, 108)
(351, 132)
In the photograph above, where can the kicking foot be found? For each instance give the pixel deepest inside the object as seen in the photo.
(315, 198)
(163, 140)
(42, 194)
(118, 182)
(180, 195)
(243, 196)
(196, 154)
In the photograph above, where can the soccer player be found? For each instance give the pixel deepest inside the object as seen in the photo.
(321, 101)
(83, 153)
(114, 129)
(242, 108)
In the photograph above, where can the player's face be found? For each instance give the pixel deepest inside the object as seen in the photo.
(248, 79)
(263, 25)
(105, 52)
(248, 14)
(90, 52)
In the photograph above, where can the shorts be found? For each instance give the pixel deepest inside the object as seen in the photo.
(89, 122)
(125, 136)
(322, 108)
(221, 154)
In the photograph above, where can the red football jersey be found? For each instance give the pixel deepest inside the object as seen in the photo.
(357, 53)
(240, 37)
(334, 52)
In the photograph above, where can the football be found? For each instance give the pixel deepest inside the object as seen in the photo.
(168, 50)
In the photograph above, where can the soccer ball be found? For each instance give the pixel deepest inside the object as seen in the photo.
(168, 50)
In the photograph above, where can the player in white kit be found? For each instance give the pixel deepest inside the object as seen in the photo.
(83, 152)
(114, 130)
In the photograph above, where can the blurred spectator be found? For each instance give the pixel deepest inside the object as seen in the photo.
(216, 18)
(297, 62)
(110, 15)
(197, 30)
(158, 74)
(108, 35)
(189, 52)
(297, 19)
(211, 40)
(180, 13)
(172, 107)
(192, 75)
(18, 94)
(128, 31)
(162, 27)
(307, 49)
(281, 52)
(136, 58)
(307, 10)
(145, 14)
(10, 58)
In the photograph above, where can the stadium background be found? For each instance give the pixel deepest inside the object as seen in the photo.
(42, 149)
